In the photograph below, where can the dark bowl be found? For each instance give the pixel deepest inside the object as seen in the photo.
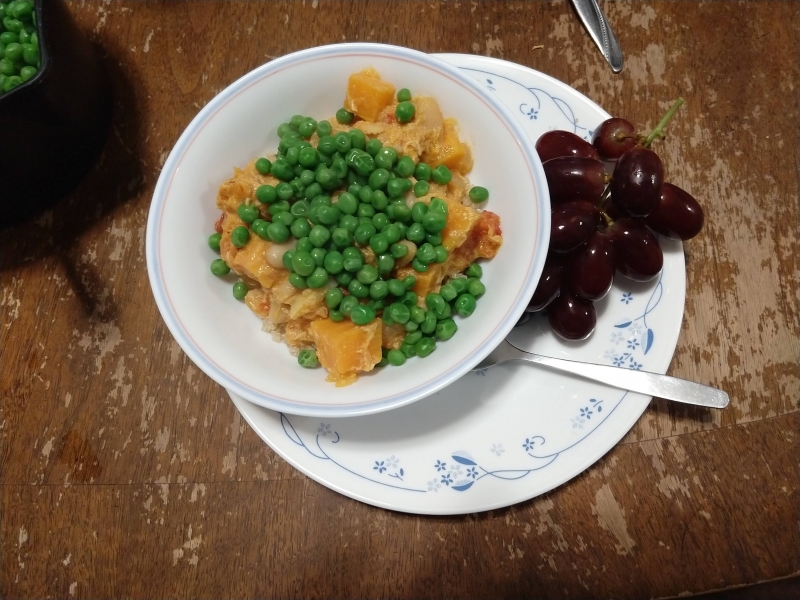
(54, 125)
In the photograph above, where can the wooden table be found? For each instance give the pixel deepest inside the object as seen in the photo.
(128, 473)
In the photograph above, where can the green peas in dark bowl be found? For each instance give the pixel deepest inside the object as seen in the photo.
(50, 125)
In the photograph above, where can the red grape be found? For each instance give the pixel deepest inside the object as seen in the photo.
(636, 183)
(590, 273)
(571, 224)
(563, 143)
(549, 284)
(571, 317)
(613, 138)
(637, 254)
(678, 215)
(571, 177)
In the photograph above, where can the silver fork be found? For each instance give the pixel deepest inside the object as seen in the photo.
(643, 382)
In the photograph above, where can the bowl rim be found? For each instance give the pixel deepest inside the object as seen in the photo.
(406, 396)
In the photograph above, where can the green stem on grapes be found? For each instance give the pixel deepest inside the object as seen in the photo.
(659, 130)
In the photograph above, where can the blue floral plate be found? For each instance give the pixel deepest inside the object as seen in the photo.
(508, 434)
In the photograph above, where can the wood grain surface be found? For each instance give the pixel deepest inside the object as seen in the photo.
(127, 473)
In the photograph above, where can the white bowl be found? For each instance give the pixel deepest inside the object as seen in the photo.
(224, 338)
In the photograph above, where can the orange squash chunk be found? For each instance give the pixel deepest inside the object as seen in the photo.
(393, 336)
(460, 221)
(368, 94)
(346, 349)
(449, 150)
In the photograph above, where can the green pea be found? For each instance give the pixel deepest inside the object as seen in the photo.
(278, 232)
(399, 312)
(293, 155)
(347, 203)
(347, 304)
(373, 146)
(307, 358)
(328, 215)
(259, 227)
(357, 289)
(323, 128)
(441, 254)
(434, 239)
(405, 166)
(410, 326)
(286, 259)
(335, 315)
(295, 121)
(378, 178)
(353, 252)
(426, 254)
(465, 304)
(446, 329)
(352, 265)
(364, 232)
(385, 263)
(459, 284)
(313, 190)
(398, 250)
(444, 314)
(319, 254)
(379, 243)
(408, 350)
(283, 129)
(412, 337)
(386, 157)
(392, 233)
(440, 206)
(395, 188)
(333, 262)
(284, 191)
(341, 237)
(317, 279)
(247, 212)
(279, 206)
(379, 289)
(365, 210)
(282, 170)
(418, 210)
(219, 267)
(300, 228)
(14, 51)
(304, 245)
(319, 235)
(441, 175)
(308, 157)
(435, 302)
(428, 325)
(448, 292)
(396, 358)
(410, 299)
(422, 172)
(239, 290)
(12, 24)
(321, 200)
(421, 188)
(299, 208)
(379, 200)
(434, 222)
(303, 263)
(357, 139)
(365, 194)
(9, 37)
(344, 116)
(425, 347)
(478, 194)
(476, 287)
(266, 194)
(240, 236)
(362, 314)
(342, 141)
(307, 127)
(327, 145)
(298, 281)
(263, 166)
(213, 241)
(415, 233)
(419, 266)
(405, 111)
(349, 222)
(396, 287)
(474, 270)
(367, 274)
(403, 95)
(417, 314)
(306, 178)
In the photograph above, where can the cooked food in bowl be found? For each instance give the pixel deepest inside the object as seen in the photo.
(356, 242)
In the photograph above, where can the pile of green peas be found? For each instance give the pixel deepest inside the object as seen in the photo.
(372, 211)
(19, 44)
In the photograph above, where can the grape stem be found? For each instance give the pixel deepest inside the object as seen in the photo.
(659, 130)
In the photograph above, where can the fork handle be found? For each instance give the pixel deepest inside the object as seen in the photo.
(643, 382)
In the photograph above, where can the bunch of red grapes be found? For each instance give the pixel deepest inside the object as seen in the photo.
(601, 224)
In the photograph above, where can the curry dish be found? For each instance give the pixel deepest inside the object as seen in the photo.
(300, 317)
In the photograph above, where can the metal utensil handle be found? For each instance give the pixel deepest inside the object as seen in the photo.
(643, 382)
(600, 31)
